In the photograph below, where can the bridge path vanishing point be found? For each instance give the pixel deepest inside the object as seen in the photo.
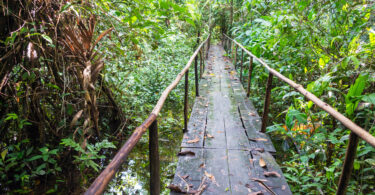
(223, 147)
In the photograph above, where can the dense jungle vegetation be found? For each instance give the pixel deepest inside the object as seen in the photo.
(78, 76)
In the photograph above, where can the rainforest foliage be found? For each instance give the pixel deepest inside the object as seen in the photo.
(78, 76)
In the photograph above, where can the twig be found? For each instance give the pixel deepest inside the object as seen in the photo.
(187, 184)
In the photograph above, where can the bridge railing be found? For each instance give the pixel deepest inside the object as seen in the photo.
(101, 182)
(355, 129)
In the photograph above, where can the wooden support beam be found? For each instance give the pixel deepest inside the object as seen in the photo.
(267, 103)
(241, 65)
(201, 64)
(249, 77)
(154, 159)
(196, 76)
(186, 101)
(196, 68)
(235, 57)
(348, 164)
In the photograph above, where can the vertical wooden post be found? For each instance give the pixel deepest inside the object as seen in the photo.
(196, 76)
(208, 44)
(267, 103)
(196, 68)
(201, 64)
(249, 77)
(235, 57)
(348, 163)
(241, 65)
(154, 159)
(186, 103)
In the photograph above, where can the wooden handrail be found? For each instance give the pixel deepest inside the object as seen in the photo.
(101, 182)
(362, 133)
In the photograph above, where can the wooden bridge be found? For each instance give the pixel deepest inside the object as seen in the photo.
(224, 148)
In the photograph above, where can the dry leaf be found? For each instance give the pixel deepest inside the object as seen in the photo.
(193, 140)
(211, 177)
(259, 150)
(175, 188)
(185, 176)
(202, 165)
(255, 193)
(271, 174)
(251, 114)
(258, 139)
(184, 153)
(283, 187)
(220, 131)
(262, 163)
(210, 136)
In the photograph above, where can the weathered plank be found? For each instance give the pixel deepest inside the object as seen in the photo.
(196, 125)
(275, 181)
(216, 166)
(190, 168)
(239, 171)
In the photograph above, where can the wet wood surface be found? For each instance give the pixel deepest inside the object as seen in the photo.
(224, 151)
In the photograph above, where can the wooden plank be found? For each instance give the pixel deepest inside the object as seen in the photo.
(239, 171)
(196, 125)
(276, 183)
(189, 166)
(217, 165)
(215, 131)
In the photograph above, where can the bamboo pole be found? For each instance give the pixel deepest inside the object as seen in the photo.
(101, 182)
(337, 115)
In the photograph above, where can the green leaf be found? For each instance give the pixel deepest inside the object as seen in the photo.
(4, 153)
(369, 98)
(35, 158)
(11, 116)
(47, 38)
(355, 91)
(356, 165)
(370, 161)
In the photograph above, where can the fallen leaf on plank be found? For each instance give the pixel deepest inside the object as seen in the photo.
(175, 188)
(271, 174)
(259, 180)
(255, 193)
(185, 176)
(258, 139)
(210, 136)
(251, 114)
(193, 140)
(211, 177)
(262, 163)
(259, 150)
(202, 165)
(184, 153)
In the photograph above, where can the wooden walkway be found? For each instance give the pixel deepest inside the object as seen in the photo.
(223, 150)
